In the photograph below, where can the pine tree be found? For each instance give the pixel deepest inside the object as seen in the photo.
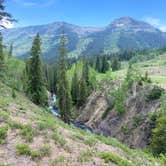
(4, 15)
(105, 64)
(36, 87)
(82, 92)
(2, 57)
(10, 51)
(115, 65)
(98, 64)
(1, 50)
(84, 84)
(64, 95)
(75, 87)
(85, 72)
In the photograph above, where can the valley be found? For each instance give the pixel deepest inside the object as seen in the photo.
(75, 95)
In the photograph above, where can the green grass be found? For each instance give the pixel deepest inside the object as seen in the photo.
(110, 157)
(158, 79)
(59, 161)
(85, 156)
(3, 134)
(24, 149)
(27, 132)
(59, 139)
(4, 115)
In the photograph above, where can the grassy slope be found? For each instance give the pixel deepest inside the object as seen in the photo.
(156, 69)
(35, 137)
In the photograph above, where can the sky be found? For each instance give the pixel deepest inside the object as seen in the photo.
(86, 12)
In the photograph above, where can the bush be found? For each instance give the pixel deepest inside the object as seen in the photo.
(3, 134)
(110, 157)
(155, 93)
(162, 159)
(158, 144)
(44, 151)
(23, 149)
(27, 133)
(58, 161)
(59, 140)
(85, 156)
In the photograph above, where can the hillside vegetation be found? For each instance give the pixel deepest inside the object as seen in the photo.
(30, 135)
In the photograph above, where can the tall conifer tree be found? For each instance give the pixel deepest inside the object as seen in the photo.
(75, 87)
(10, 51)
(36, 88)
(2, 57)
(64, 95)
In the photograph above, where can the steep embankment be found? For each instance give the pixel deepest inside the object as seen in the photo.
(29, 135)
(132, 127)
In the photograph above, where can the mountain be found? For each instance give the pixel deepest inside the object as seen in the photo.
(123, 33)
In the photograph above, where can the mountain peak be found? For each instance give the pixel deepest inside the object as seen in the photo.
(129, 23)
(123, 21)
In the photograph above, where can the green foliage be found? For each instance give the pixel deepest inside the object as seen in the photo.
(84, 85)
(24, 149)
(115, 65)
(102, 64)
(10, 51)
(75, 87)
(110, 157)
(15, 125)
(14, 73)
(58, 139)
(13, 93)
(119, 98)
(85, 156)
(4, 115)
(3, 134)
(27, 132)
(44, 151)
(155, 93)
(138, 120)
(158, 144)
(36, 88)
(162, 159)
(63, 91)
(58, 161)
(2, 57)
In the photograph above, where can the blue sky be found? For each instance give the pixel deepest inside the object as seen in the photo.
(86, 12)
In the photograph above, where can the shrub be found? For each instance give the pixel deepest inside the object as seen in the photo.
(23, 149)
(90, 141)
(4, 115)
(59, 140)
(3, 134)
(110, 157)
(155, 93)
(13, 93)
(162, 159)
(158, 144)
(58, 161)
(15, 125)
(44, 151)
(85, 156)
(27, 133)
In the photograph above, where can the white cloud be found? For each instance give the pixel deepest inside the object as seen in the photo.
(7, 24)
(163, 28)
(156, 22)
(153, 21)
